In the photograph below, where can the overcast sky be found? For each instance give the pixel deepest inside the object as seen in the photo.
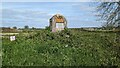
(37, 14)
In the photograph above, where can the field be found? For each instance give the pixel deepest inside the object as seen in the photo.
(66, 48)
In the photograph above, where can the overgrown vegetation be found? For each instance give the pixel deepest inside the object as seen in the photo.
(66, 48)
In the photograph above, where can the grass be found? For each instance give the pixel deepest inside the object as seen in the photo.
(66, 48)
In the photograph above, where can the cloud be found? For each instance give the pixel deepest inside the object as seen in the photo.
(38, 14)
(15, 17)
(85, 6)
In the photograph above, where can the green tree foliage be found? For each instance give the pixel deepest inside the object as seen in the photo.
(33, 28)
(14, 27)
(26, 27)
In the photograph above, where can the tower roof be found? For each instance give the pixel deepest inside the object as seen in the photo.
(59, 18)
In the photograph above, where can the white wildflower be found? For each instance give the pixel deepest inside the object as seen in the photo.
(66, 45)
(67, 36)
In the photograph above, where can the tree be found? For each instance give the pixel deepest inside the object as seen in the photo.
(26, 27)
(33, 28)
(110, 12)
(14, 27)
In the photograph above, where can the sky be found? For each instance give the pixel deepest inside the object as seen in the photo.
(59, 0)
(37, 14)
